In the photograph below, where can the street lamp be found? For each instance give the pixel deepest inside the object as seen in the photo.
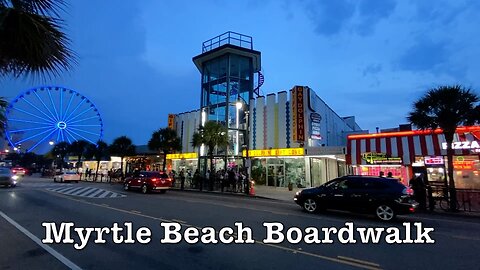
(51, 142)
(239, 105)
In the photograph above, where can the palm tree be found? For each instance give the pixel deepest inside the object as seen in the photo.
(78, 148)
(122, 147)
(3, 106)
(61, 150)
(446, 107)
(100, 152)
(31, 38)
(165, 141)
(213, 134)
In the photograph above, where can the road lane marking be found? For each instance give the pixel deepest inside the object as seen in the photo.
(35, 239)
(358, 261)
(136, 212)
(332, 259)
(179, 221)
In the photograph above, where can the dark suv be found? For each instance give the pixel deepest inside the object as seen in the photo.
(384, 197)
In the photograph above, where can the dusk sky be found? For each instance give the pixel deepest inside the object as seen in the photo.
(367, 58)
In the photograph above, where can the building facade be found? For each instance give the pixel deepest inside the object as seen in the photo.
(294, 137)
(407, 153)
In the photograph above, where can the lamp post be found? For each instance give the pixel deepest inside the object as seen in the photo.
(247, 159)
(240, 104)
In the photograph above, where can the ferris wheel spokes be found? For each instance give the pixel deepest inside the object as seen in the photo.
(53, 104)
(47, 120)
(49, 116)
(76, 116)
(42, 140)
(45, 105)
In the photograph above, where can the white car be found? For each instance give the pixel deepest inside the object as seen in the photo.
(66, 177)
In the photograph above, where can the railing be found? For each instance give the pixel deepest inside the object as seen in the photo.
(468, 200)
(229, 37)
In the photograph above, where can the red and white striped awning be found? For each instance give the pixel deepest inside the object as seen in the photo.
(407, 144)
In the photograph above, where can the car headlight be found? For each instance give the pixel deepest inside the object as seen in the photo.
(15, 177)
(298, 193)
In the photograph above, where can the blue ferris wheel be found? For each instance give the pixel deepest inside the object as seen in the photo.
(40, 117)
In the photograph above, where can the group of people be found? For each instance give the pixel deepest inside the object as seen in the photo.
(90, 174)
(419, 186)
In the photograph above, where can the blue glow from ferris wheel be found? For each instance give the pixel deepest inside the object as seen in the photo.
(39, 116)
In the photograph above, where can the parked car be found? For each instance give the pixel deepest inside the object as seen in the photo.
(383, 197)
(66, 176)
(148, 181)
(7, 178)
(20, 171)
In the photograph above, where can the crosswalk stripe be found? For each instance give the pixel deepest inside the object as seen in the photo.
(80, 191)
(96, 193)
(88, 193)
(104, 194)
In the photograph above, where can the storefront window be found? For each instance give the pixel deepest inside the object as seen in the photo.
(295, 172)
(466, 172)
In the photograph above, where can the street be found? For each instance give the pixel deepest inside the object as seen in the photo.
(34, 201)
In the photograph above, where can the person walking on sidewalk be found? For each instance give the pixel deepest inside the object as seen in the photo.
(182, 179)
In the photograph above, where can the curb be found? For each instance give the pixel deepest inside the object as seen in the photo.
(219, 193)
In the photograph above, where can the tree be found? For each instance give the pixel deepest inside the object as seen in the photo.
(78, 148)
(213, 135)
(99, 152)
(60, 151)
(3, 106)
(122, 147)
(31, 38)
(446, 107)
(165, 141)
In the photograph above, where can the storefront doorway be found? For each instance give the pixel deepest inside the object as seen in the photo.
(276, 175)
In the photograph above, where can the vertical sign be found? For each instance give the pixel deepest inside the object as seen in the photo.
(294, 114)
(171, 121)
(300, 115)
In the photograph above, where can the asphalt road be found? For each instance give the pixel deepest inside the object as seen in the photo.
(93, 205)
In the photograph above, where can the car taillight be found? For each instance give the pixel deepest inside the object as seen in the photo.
(154, 179)
(407, 191)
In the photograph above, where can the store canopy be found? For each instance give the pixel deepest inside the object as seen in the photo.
(402, 147)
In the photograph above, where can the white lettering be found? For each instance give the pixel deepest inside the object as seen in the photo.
(393, 236)
(408, 233)
(189, 233)
(273, 229)
(311, 236)
(349, 230)
(171, 229)
(83, 237)
(297, 232)
(226, 231)
(327, 232)
(144, 232)
(208, 236)
(117, 239)
(247, 238)
(100, 232)
(50, 228)
(370, 234)
(423, 234)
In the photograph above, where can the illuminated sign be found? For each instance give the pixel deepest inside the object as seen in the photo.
(182, 156)
(463, 165)
(434, 160)
(171, 121)
(298, 119)
(275, 152)
(380, 158)
(463, 145)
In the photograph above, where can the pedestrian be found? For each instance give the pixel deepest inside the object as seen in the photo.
(389, 175)
(80, 172)
(382, 174)
(182, 179)
(419, 191)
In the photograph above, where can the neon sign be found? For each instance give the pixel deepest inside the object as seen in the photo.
(463, 145)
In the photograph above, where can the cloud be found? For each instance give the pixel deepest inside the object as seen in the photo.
(361, 17)
(330, 17)
(372, 12)
(424, 55)
(372, 69)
